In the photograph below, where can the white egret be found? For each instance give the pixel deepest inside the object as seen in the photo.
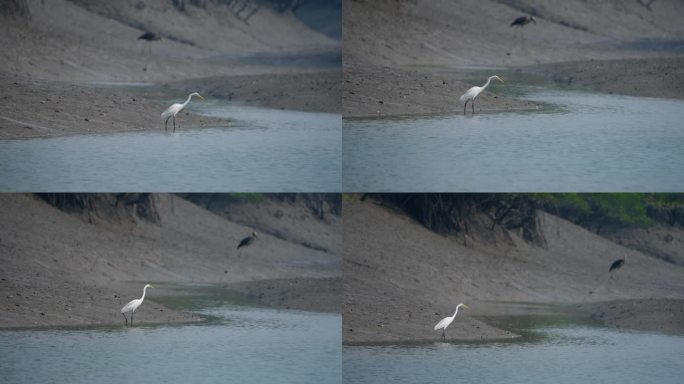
(173, 110)
(445, 322)
(133, 305)
(474, 92)
(247, 240)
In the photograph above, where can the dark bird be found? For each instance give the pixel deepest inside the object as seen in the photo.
(247, 240)
(150, 36)
(523, 21)
(617, 264)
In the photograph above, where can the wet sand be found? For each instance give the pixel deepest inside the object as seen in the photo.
(383, 92)
(62, 269)
(306, 91)
(654, 315)
(34, 108)
(317, 295)
(648, 77)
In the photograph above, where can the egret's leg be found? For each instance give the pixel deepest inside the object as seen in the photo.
(464, 107)
(166, 124)
(131, 319)
(444, 334)
(124, 315)
(174, 123)
(472, 105)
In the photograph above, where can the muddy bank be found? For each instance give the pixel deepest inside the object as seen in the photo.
(34, 108)
(308, 91)
(317, 295)
(401, 279)
(43, 301)
(59, 268)
(656, 315)
(382, 92)
(651, 77)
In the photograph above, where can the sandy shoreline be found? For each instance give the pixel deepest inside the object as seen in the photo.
(35, 108)
(388, 92)
(385, 92)
(306, 91)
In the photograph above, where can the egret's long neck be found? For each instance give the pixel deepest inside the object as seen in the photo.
(459, 305)
(143, 296)
(190, 97)
(483, 87)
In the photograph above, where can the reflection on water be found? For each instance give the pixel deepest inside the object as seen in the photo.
(569, 354)
(588, 143)
(244, 345)
(263, 150)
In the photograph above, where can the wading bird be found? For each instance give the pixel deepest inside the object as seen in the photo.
(520, 22)
(523, 21)
(149, 37)
(173, 110)
(474, 92)
(247, 241)
(617, 264)
(445, 322)
(133, 305)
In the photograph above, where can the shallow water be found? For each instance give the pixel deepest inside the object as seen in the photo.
(565, 354)
(263, 150)
(581, 142)
(241, 345)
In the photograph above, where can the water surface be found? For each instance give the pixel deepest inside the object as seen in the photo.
(580, 142)
(263, 150)
(553, 354)
(240, 345)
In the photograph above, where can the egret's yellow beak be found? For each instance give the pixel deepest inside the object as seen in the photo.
(500, 79)
(465, 306)
(151, 286)
(200, 96)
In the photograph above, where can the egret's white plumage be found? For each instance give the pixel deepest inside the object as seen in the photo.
(134, 304)
(445, 322)
(173, 110)
(473, 92)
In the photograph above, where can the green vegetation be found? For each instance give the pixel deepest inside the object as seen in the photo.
(599, 210)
